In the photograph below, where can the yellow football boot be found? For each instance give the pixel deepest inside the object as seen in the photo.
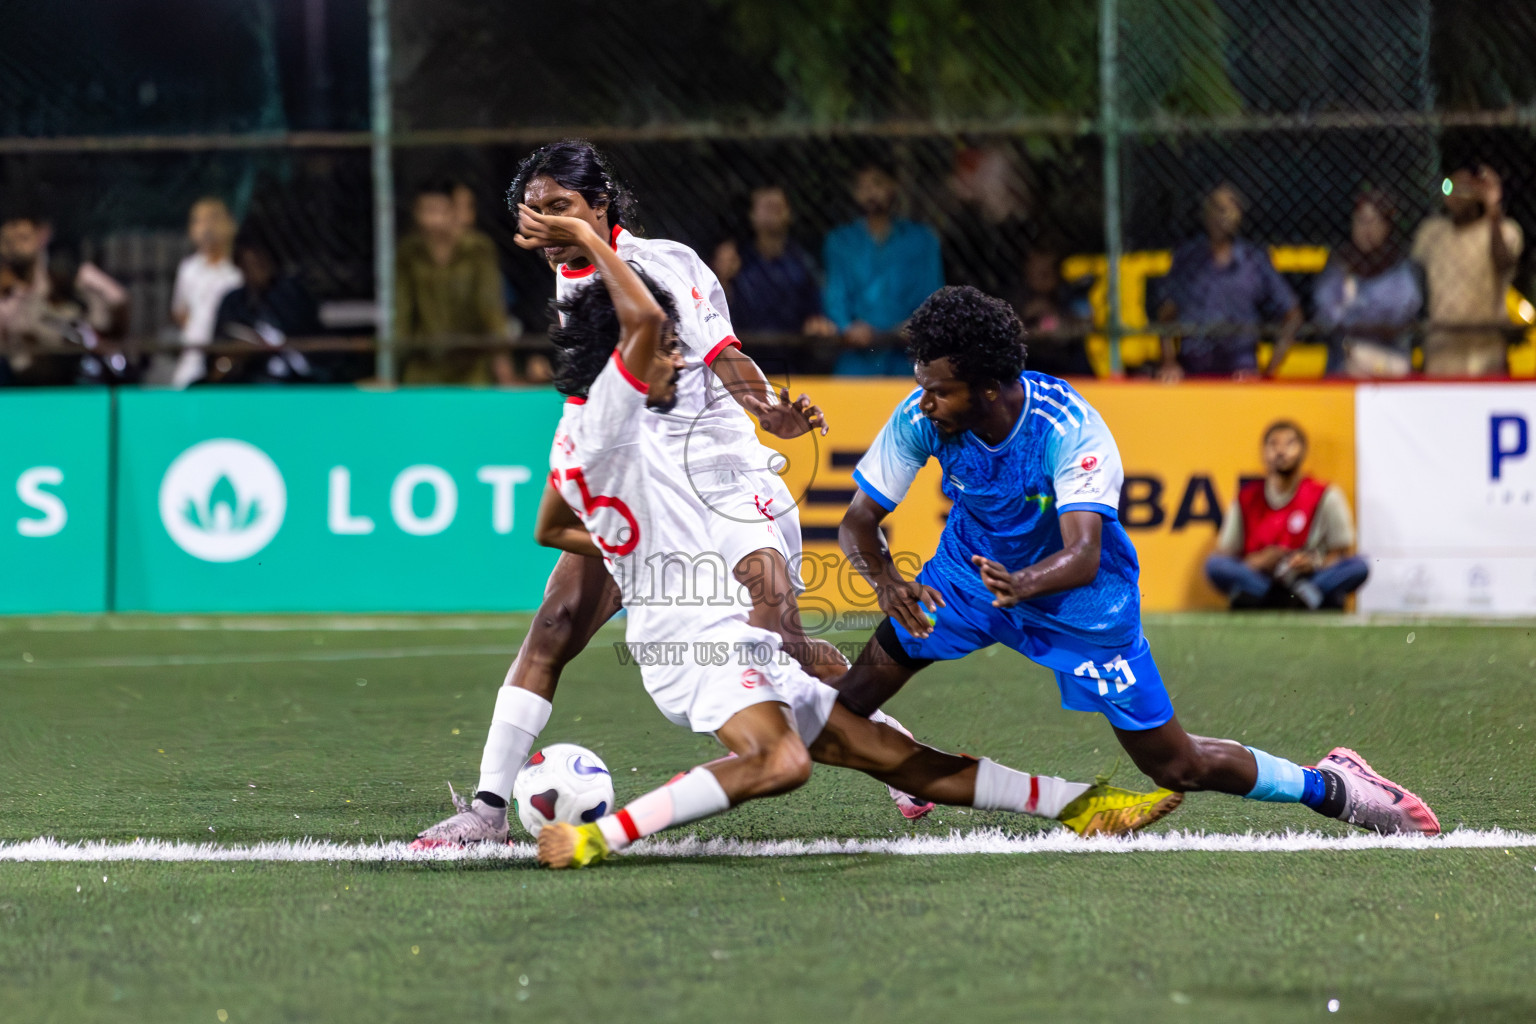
(1110, 811)
(571, 846)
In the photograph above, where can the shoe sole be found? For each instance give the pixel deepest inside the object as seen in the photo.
(1120, 820)
(1413, 805)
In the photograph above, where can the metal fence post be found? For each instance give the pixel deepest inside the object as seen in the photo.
(383, 187)
(1109, 129)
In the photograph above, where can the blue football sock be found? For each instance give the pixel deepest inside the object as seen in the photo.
(1279, 781)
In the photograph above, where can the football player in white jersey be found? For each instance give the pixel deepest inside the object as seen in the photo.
(753, 526)
(621, 496)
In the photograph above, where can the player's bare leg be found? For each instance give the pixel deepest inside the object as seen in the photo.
(765, 575)
(1341, 786)
(579, 597)
(898, 760)
(770, 759)
(873, 678)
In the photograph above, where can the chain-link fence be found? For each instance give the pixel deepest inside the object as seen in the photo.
(1156, 185)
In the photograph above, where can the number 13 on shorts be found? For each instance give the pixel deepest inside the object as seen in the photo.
(1117, 672)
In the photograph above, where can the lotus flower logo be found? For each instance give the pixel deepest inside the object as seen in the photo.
(224, 512)
(222, 500)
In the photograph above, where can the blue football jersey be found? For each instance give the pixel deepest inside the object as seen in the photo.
(1007, 500)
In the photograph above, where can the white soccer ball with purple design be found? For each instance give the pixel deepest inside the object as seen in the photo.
(562, 782)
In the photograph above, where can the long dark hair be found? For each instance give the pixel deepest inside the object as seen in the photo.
(576, 164)
(586, 331)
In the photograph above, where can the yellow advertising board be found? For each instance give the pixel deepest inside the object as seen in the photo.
(1185, 449)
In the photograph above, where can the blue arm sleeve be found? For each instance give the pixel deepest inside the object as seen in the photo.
(887, 470)
(1278, 299)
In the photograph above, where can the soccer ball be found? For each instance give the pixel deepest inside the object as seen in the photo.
(562, 782)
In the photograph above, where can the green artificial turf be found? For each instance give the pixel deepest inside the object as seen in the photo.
(289, 728)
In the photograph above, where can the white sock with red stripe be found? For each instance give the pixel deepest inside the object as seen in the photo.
(694, 796)
(1000, 788)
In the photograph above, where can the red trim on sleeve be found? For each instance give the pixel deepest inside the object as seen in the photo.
(639, 385)
(575, 400)
(723, 344)
(628, 825)
(588, 271)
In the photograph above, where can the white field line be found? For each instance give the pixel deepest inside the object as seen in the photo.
(259, 657)
(992, 841)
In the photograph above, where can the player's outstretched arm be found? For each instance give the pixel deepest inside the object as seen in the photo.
(745, 382)
(1075, 565)
(641, 317)
(558, 526)
(907, 601)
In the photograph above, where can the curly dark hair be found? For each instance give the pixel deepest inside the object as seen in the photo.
(578, 165)
(981, 336)
(586, 332)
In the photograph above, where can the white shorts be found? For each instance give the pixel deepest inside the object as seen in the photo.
(704, 695)
(749, 510)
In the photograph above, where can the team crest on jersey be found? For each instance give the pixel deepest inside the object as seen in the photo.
(751, 679)
(698, 300)
(1089, 463)
(1296, 521)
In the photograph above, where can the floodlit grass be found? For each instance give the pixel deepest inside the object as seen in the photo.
(299, 728)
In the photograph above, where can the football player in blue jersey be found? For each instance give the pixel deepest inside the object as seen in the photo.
(1033, 556)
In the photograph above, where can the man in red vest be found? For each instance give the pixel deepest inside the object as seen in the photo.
(1286, 536)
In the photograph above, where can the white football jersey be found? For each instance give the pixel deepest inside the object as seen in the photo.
(611, 463)
(707, 429)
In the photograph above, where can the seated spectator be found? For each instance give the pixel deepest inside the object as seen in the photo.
(448, 295)
(264, 312)
(1286, 536)
(1469, 261)
(1056, 314)
(770, 282)
(202, 281)
(1229, 285)
(879, 269)
(1368, 296)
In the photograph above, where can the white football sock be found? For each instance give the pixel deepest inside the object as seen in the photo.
(519, 717)
(696, 795)
(1000, 788)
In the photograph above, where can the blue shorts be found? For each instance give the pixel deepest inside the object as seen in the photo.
(1122, 684)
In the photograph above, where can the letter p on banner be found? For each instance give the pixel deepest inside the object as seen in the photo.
(1509, 437)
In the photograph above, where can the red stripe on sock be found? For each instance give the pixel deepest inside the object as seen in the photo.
(1034, 794)
(628, 825)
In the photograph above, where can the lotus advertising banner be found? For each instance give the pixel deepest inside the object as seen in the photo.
(53, 500)
(321, 499)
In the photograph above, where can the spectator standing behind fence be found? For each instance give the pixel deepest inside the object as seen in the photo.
(879, 269)
(1056, 314)
(265, 312)
(1287, 535)
(1368, 296)
(987, 228)
(448, 297)
(1469, 259)
(1226, 283)
(55, 312)
(202, 281)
